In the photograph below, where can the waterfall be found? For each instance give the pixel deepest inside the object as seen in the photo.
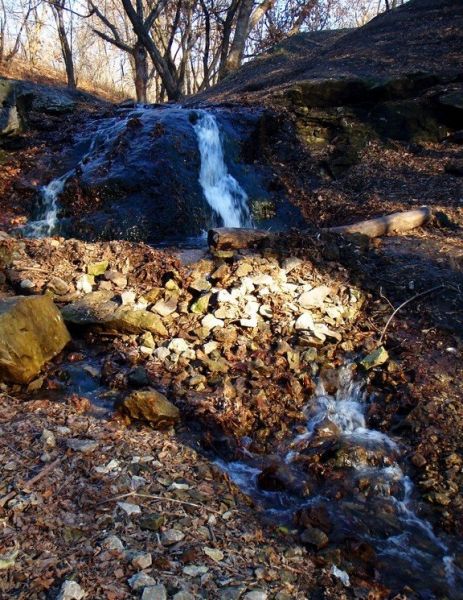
(48, 219)
(223, 193)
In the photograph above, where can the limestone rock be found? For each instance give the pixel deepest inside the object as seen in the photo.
(99, 309)
(304, 322)
(70, 590)
(119, 279)
(315, 297)
(85, 283)
(31, 333)
(166, 307)
(97, 268)
(152, 406)
(211, 322)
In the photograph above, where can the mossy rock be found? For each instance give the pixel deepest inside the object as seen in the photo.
(32, 332)
(329, 92)
(151, 406)
(407, 120)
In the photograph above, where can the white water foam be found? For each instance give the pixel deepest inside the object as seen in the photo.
(50, 193)
(223, 193)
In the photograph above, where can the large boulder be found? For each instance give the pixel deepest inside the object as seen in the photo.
(32, 332)
(100, 309)
(10, 122)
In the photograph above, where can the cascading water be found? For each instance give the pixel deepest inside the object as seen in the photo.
(365, 492)
(105, 149)
(47, 220)
(46, 223)
(223, 193)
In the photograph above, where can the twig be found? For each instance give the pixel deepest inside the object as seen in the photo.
(158, 498)
(26, 486)
(415, 297)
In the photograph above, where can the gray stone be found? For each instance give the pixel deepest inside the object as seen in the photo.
(142, 560)
(183, 595)
(84, 446)
(70, 590)
(140, 581)
(154, 592)
(232, 593)
(172, 536)
(112, 542)
(256, 595)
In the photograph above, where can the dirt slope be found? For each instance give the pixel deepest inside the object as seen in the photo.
(421, 36)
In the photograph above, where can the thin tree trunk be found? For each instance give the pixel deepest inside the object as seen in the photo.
(235, 55)
(141, 72)
(66, 51)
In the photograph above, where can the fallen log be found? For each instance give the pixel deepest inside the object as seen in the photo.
(228, 238)
(398, 222)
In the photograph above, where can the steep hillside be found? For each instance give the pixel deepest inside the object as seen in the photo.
(423, 36)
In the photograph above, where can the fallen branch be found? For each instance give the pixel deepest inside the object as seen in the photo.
(415, 297)
(227, 238)
(159, 499)
(26, 487)
(398, 222)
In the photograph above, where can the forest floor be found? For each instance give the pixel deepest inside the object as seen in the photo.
(87, 495)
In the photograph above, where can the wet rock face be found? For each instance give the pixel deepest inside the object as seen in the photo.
(32, 332)
(140, 177)
(140, 181)
(25, 105)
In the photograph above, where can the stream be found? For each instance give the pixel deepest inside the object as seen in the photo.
(152, 174)
(346, 479)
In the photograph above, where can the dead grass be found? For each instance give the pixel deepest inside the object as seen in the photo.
(19, 69)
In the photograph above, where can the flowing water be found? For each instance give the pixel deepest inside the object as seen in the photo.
(223, 193)
(107, 149)
(47, 220)
(368, 499)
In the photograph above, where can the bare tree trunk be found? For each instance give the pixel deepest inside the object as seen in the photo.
(66, 51)
(142, 32)
(141, 72)
(235, 55)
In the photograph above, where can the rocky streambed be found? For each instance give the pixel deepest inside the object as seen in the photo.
(267, 365)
